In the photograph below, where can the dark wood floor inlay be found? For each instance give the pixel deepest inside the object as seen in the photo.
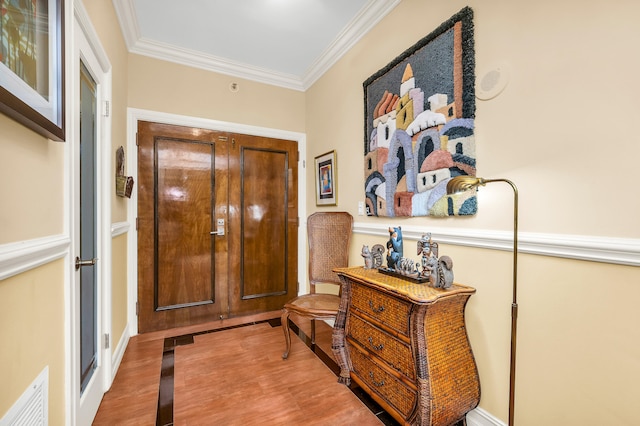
(164, 415)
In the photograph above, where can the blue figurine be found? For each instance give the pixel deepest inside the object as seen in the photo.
(394, 247)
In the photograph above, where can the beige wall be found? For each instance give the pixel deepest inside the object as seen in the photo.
(106, 24)
(565, 115)
(32, 303)
(32, 175)
(119, 293)
(32, 335)
(32, 322)
(171, 88)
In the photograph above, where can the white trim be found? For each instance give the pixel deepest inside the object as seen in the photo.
(22, 256)
(622, 251)
(366, 19)
(480, 417)
(85, 47)
(133, 116)
(119, 228)
(118, 352)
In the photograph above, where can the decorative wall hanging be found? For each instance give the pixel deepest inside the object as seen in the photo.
(326, 181)
(32, 65)
(419, 125)
(124, 184)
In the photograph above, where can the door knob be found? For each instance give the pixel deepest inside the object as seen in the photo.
(80, 262)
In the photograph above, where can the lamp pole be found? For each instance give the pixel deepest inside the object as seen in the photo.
(465, 183)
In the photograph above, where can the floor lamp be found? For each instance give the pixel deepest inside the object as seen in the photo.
(466, 183)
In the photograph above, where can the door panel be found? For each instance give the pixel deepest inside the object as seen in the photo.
(183, 223)
(188, 180)
(182, 267)
(263, 194)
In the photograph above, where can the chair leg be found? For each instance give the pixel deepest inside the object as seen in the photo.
(313, 331)
(284, 320)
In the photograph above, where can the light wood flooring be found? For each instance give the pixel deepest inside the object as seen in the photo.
(231, 372)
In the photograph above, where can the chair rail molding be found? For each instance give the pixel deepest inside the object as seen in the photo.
(119, 228)
(22, 256)
(622, 251)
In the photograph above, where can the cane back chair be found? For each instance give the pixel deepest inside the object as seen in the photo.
(329, 234)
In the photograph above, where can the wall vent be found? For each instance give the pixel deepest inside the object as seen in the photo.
(33, 406)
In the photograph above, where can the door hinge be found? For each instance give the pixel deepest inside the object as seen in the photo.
(298, 221)
(136, 223)
(106, 340)
(105, 108)
(137, 144)
(137, 309)
(298, 157)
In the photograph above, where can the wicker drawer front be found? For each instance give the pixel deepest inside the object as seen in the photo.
(392, 312)
(392, 351)
(379, 381)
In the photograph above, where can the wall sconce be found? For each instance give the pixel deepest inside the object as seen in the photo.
(466, 183)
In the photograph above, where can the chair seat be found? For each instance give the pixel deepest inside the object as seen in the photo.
(314, 305)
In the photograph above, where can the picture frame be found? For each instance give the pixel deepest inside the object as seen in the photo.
(326, 179)
(32, 71)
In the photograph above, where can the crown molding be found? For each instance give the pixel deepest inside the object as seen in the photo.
(368, 17)
(128, 22)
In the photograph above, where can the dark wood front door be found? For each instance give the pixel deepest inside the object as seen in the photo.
(217, 225)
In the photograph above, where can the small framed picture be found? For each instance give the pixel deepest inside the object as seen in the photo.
(326, 179)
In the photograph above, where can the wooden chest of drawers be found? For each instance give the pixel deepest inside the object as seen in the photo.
(406, 345)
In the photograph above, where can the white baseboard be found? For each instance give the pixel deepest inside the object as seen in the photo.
(480, 417)
(118, 353)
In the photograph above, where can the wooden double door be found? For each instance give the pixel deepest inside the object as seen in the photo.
(217, 225)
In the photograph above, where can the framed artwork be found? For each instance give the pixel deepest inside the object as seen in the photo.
(326, 179)
(32, 65)
(419, 125)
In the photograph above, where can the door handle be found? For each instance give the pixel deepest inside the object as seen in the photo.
(80, 262)
(219, 228)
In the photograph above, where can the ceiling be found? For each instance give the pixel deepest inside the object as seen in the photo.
(288, 43)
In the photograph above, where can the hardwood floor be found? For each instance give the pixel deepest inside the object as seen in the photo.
(230, 372)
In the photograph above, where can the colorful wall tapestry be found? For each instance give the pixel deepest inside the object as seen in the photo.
(419, 125)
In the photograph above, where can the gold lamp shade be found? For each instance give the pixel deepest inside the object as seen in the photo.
(464, 183)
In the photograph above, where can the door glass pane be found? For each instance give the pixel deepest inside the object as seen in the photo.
(88, 295)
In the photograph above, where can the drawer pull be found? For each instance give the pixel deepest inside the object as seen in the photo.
(378, 384)
(376, 310)
(376, 347)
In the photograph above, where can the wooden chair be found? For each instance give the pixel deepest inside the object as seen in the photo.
(329, 234)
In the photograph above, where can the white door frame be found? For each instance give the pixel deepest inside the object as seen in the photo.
(133, 116)
(84, 45)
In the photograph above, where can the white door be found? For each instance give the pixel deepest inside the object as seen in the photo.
(90, 287)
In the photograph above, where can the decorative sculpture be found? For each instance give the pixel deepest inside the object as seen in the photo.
(394, 246)
(372, 257)
(426, 248)
(440, 271)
